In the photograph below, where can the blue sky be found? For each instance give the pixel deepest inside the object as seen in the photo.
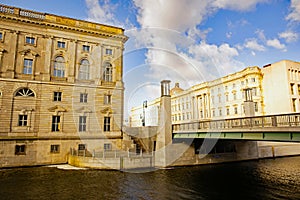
(188, 41)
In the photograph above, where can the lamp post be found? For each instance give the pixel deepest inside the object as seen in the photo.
(144, 116)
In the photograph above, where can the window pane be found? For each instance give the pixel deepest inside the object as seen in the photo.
(108, 51)
(81, 147)
(83, 97)
(61, 44)
(54, 148)
(27, 66)
(82, 123)
(25, 92)
(57, 96)
(20, 149)
(55, 123)
(59, 67)
(22, 120)
(84, 70)
(86, 48)
(107, 76)
(106, 123)
(30, 40)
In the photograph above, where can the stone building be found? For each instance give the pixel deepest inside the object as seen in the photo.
(217, 99)
(274, 89)
(60, 87)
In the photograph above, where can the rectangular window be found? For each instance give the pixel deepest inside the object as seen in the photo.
(227, 98)
(227, 111)
(220, 99)
(220, 112)
(255, 106)
(61, 44)
(233, 85)
(107, 99)
(20, 149)
(27, 68)
(292, 88)
(54, 148)
(243, 83)
(107, 147)
(253, 80)
(235, 110)
(83, 97)
(214, 113)
(1, 36)
(106, 123)
(55, 123)
(234, 96)
(108, 51)
(82, 123)
(294, 105)
(81, 147)
(22, 120)
(57, 96)
(30, 40)
(254, 91)
(85, 48)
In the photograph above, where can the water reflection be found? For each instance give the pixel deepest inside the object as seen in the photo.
(264, 179)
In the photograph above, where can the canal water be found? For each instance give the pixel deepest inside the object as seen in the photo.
(264, 179)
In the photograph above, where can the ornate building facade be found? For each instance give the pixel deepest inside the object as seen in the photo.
(61, 87)
(273, 89)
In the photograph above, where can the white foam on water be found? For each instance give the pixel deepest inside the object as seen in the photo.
(66, 167)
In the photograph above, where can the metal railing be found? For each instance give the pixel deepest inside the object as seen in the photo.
(109, 154)
(283, 120)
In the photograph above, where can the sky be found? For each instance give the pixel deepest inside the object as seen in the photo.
(187, 41)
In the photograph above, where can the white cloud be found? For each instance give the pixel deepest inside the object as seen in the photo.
(101, 12)
(276, 44)
(216, 60)
(252, 44)
(295, 13)
(171, 14)
(237, 4)
(164, 27)
(261, 35)
(289, 36)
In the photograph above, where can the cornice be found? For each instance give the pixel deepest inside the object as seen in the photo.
(69, 27)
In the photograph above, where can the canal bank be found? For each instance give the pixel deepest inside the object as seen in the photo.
(263, 179)
(183, 155)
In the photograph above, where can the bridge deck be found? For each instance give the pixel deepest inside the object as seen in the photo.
(284, 127)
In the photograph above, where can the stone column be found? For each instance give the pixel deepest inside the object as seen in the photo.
(248, 103)
(164, 134)
(47, 60)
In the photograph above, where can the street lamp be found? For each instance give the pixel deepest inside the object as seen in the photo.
(144, 116)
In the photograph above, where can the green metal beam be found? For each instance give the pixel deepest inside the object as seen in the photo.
(265, 136)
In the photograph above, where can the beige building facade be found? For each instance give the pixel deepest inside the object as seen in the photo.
(217, 99)
(281, 86)
(61, 87)
(273, 89)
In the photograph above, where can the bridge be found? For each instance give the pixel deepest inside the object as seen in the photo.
(284, 127)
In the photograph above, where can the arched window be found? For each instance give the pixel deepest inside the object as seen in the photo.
(107, 75)
(84, 70)
(59, 67)
(25, 92)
